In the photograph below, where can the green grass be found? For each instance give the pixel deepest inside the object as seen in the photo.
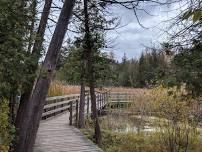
(138, 142)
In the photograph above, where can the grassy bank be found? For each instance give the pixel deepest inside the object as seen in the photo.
(159, 120)
(130, 141)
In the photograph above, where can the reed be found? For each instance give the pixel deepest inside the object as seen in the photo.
(58, 88)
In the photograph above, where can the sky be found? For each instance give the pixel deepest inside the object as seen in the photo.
(132, 38)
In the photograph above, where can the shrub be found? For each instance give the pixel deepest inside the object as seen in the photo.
(5, 127)
(178, 127)
(176, 124)
(131, 142)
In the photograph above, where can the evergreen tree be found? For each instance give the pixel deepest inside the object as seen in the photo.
(15, 17)
(186, 70)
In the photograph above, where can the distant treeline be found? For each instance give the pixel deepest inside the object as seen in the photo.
(142, 72)
(155, 66)
(164, 66)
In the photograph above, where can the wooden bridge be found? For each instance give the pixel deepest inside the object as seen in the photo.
(57, 131)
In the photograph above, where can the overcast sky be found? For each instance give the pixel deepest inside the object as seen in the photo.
(132, 38)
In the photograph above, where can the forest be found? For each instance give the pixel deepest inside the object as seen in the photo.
(51, 48)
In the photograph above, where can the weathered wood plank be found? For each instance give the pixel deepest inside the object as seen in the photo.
(56, 110)
(57, 103)
(55, 135)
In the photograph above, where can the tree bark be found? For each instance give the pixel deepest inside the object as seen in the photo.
(36, 53)
(32, 117)
(98, 136)
(88, 47)
(82, 105)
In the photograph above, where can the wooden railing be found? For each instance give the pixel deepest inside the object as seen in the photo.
(57, 105)
(60, 104)
(121, 97)
(118, 100)
(101, 101)
(70, 103)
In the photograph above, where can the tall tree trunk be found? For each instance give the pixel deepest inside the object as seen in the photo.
(95, 114)
(36, 53)
(82, 105)
(32, 117)
(88, 47)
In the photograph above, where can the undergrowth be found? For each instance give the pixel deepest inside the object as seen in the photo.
(7, 131)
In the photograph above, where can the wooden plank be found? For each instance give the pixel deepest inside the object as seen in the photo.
(58, 103)
(62, 97)
(55, 135)
(54, 111)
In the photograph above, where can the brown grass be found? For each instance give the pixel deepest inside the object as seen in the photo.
(58, 88)
(127, 90)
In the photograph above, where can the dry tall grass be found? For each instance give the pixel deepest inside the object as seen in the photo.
(126, 90)
(58, 88)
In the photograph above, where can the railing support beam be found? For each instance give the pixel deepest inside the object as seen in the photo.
(71, 113)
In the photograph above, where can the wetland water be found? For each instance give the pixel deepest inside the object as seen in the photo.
(130, 123)
(134, 123)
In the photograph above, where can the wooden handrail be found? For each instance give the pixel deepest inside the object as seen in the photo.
(60, 104)
(45, 114)
(57, 103)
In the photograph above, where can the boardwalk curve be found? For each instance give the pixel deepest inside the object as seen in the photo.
(56, 132)
(56, 135)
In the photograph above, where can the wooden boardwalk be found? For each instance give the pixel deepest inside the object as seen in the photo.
(56, 135)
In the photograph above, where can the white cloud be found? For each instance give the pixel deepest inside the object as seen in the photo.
(132, 38)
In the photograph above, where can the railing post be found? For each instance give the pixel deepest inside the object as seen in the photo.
(102, 102)
(88, 105)
(118, 99)
(126, 96)
(100, 96)
(70, 111)
(103, 99)
(106, 94)
(97, 100)
(77, 112)
(106, 97)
